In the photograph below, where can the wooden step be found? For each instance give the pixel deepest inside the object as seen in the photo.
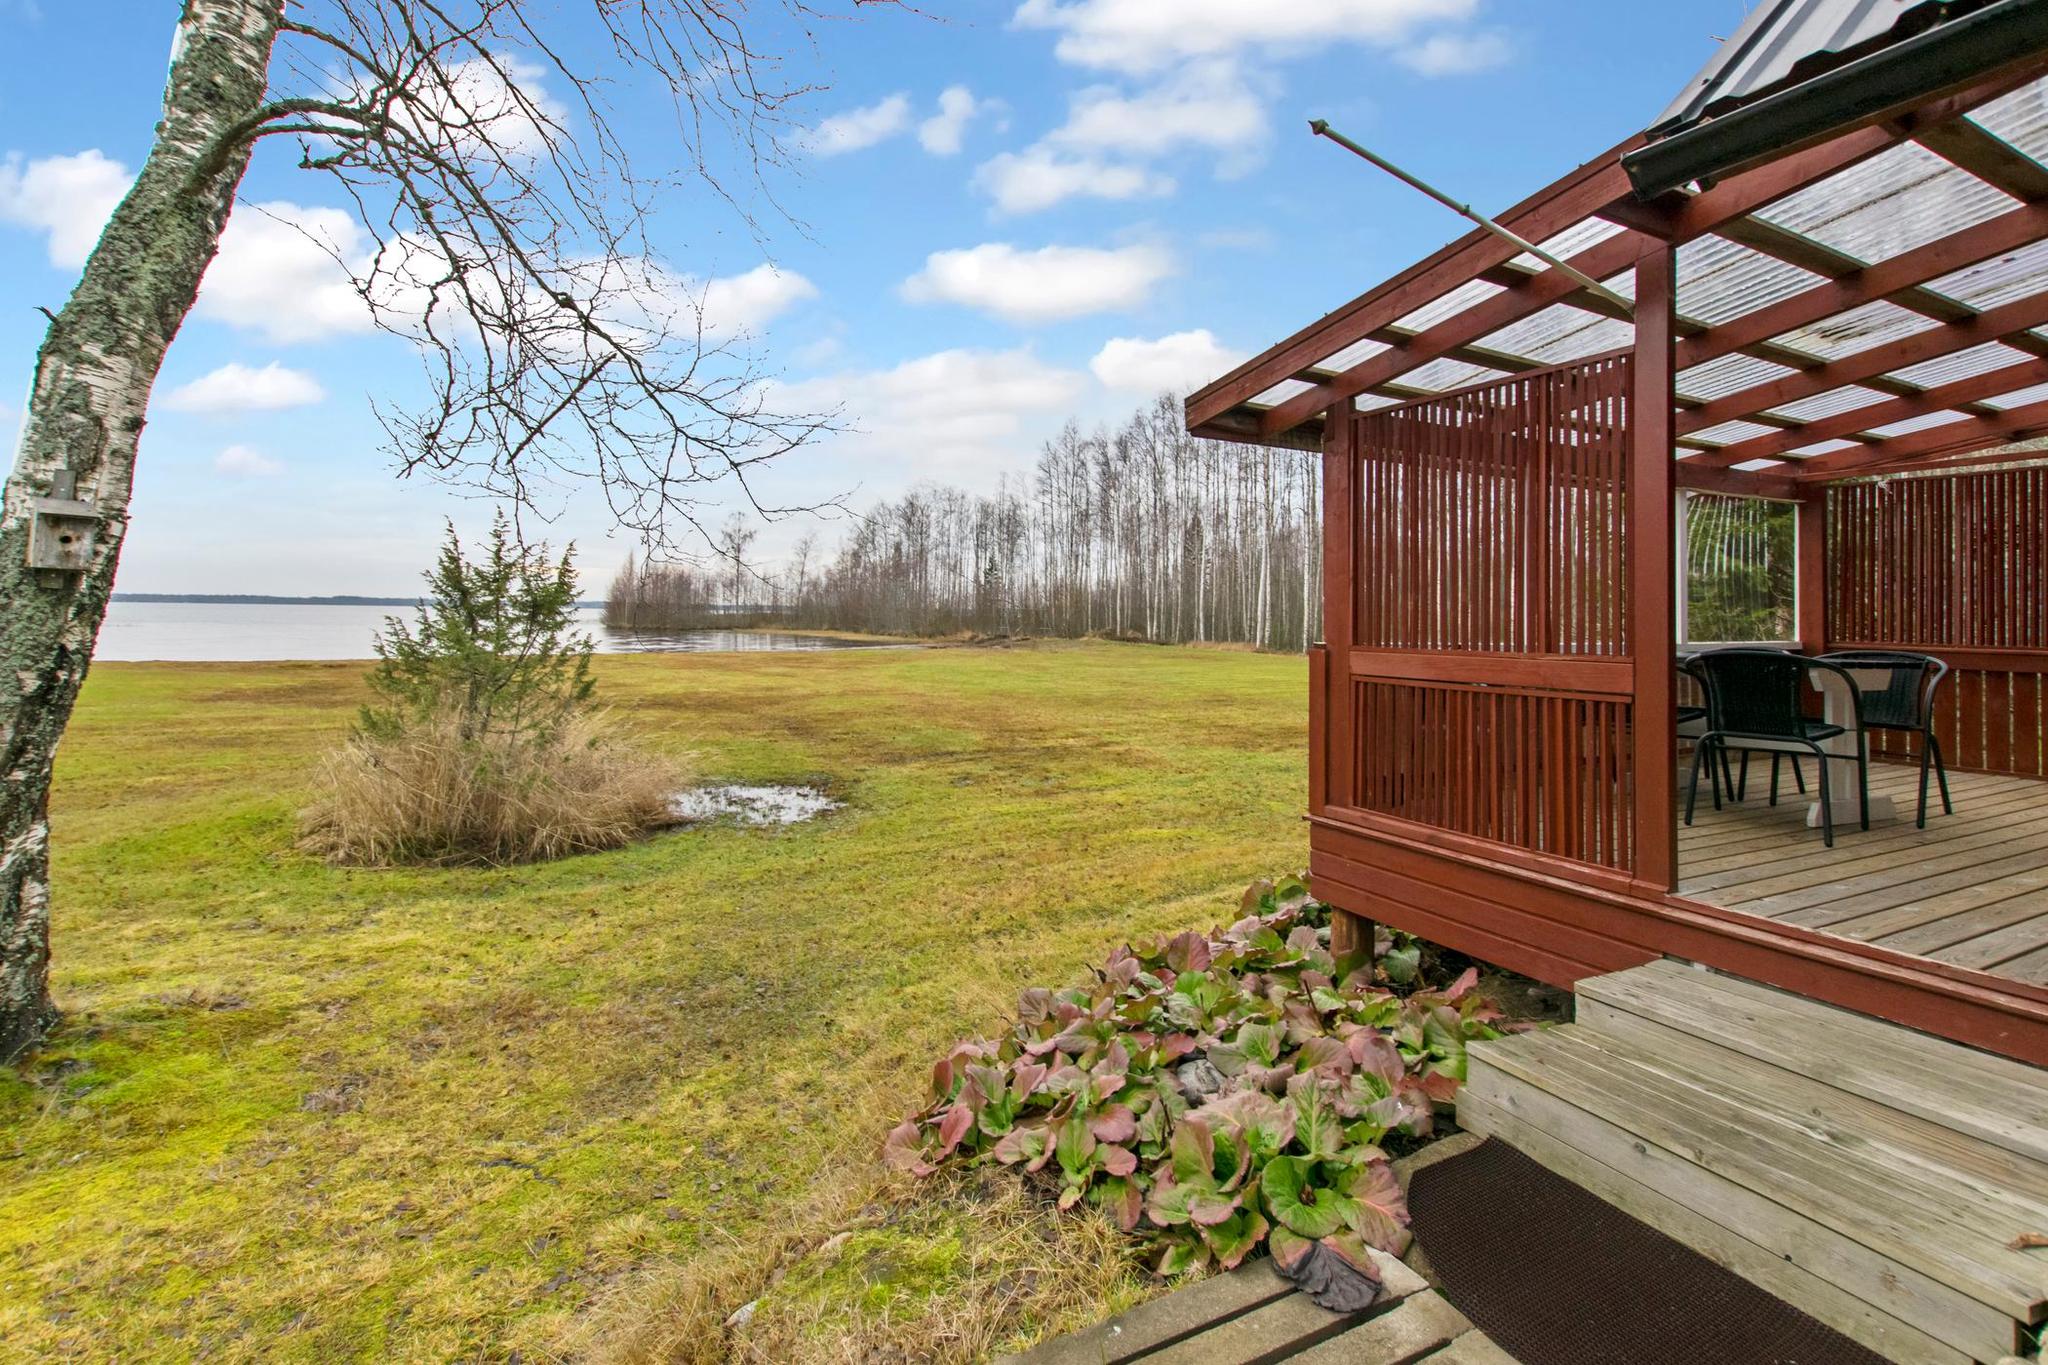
(1893, 1233)
(1992, 1098)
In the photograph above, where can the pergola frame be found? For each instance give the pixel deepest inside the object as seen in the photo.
(1228, 408)
(1808, 421)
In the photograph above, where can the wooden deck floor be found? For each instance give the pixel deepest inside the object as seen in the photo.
(1971, 888)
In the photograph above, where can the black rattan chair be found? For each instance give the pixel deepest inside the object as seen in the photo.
(1692, 723)
(1904, 702)
(1756, 703)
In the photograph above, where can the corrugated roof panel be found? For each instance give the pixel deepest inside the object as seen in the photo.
(1726, 375)
(1859, 329)
(1845, 399)
(1560, 333)
(2019, 398)
(1962, 365)
(2001, 279)
(1719, 279)
(1825, 448)
(1924, 422)
(1442, 375)
(1569, 243)
(1280, 393)
(1728, 433)
(1356, 353)
(1902, 198)
(2020, 117)
(1457, 301)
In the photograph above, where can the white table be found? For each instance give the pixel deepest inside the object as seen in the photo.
(1844, 797)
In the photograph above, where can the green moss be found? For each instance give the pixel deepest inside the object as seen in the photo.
(305, 1112)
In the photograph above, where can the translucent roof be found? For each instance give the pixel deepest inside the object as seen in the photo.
(1904, 198)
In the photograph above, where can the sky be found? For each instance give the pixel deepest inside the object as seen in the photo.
(995, 217)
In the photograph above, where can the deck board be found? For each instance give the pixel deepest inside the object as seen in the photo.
(1971, 889)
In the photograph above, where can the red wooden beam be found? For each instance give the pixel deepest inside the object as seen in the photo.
(2007, 232)
(2006, 379)
(1991, 325)
(1936, 464)
(1970, 434)
(1741, 483)
(1989, 157)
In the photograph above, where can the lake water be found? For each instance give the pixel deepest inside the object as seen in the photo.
(231, 631)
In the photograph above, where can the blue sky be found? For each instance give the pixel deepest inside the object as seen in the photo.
(1004, 216)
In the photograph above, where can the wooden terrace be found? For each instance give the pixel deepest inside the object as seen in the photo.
(1805, 315)
(1822, 287)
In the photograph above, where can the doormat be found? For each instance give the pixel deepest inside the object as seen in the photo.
(1558, 1276)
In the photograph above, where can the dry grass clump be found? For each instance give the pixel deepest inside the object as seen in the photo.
(424, 794)
(952, 1269)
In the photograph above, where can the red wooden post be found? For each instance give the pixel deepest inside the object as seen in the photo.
(1810, 572)
(1652, 539)
(1349, 933)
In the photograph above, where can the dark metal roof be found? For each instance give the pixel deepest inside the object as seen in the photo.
(1785, 42)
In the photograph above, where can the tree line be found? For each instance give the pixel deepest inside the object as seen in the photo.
(1137, 532)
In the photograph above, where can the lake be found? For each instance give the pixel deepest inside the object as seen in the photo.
(224, 632)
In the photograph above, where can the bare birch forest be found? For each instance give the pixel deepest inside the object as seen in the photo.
(1143, 532)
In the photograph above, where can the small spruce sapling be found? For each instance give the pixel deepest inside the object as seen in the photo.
(494, 644)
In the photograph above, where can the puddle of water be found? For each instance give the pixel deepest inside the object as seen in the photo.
(750, 805)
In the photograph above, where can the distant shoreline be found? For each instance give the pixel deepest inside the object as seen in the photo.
(241, 599)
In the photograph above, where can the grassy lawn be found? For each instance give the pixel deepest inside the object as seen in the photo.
(301, 1112)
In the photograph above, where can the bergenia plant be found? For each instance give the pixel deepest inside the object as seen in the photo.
(1218, 1093)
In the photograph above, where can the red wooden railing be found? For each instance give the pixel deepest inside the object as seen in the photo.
(1954, 565)
(1492, 692)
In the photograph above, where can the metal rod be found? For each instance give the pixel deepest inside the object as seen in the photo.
(1321, 128)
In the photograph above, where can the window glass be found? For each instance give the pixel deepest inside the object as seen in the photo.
(1739, 570)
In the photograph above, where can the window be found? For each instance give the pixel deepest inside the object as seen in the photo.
(1738, 555)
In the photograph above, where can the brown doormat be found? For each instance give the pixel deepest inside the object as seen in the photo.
(1558, 1276)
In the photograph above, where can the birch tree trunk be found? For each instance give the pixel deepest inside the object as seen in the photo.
(85, 414)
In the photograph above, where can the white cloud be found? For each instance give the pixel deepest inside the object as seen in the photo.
(1207, 104)
(1171, 364)
(238, 388)
(1039, 177)
(1457, 54)
(280, 273)
(943, 132)
(858, 128)
(1045, 285)
(1097, 152)
(67, 197)
(1143, 36)
(246, 462)
(480, 107)
(748, 302)
(959, 414)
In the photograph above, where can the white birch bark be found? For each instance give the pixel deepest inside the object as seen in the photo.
(85, 414)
